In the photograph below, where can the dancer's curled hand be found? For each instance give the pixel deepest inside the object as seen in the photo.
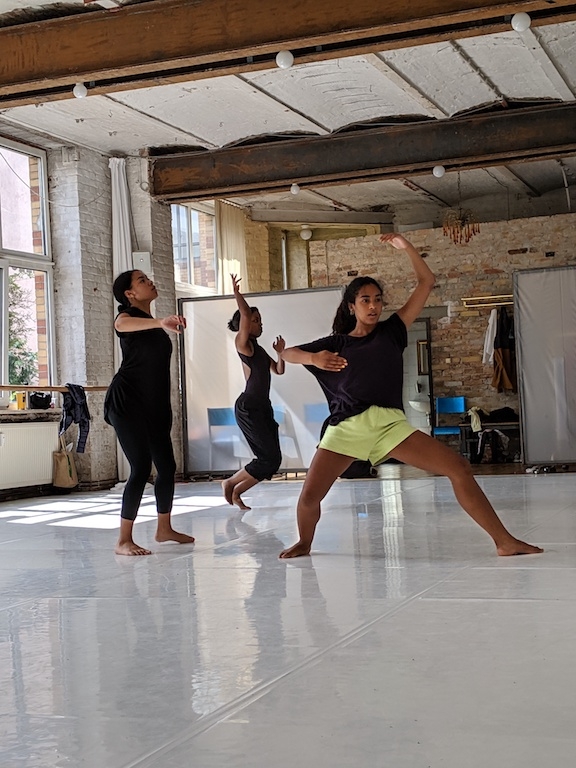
(174, 323)
(279, 345)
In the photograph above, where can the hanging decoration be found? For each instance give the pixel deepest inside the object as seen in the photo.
(460, 225)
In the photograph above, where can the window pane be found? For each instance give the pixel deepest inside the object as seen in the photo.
(28, 350)
(193, 242)
(180, 244)
(21, 211)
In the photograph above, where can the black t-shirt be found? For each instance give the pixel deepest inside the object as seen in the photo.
(374, 374)
(141, 387)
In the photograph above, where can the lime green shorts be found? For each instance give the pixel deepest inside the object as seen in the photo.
(370, 435)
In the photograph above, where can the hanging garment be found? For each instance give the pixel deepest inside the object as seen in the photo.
(475, 418)
(488, 354)
(75, 409)
(504, 378)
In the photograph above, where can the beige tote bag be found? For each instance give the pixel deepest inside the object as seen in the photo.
(63, 467)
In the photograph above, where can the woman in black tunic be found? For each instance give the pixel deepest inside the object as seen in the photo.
(138, 406)
(253, 409)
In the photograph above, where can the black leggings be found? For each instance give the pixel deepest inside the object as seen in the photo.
(144, 443)
(261, 432)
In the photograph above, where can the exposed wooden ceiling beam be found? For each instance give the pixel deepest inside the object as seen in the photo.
(163, 41)
(496, 93)
(367, 154)
(409, 184)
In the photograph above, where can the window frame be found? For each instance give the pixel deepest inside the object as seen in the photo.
(37, 262)
(192, 288)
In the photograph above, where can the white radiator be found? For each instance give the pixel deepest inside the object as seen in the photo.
(26, 453)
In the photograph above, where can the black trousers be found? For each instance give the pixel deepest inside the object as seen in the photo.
(144, 442)
(498, 450)
(256, 421)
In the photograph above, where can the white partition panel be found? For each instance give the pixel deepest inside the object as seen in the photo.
(545, 319)
(213, 377)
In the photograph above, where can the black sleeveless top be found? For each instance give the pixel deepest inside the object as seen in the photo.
(258, 383)
(141, 387)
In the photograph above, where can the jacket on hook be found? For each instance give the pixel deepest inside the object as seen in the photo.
(75, 409)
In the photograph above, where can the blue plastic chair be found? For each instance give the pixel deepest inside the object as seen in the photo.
(223, 430)
(221, 417)
(448, 405)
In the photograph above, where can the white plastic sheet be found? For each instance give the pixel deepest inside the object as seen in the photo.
(545, 319)
(213, 376)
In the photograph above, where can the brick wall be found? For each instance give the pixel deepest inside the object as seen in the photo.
(483, 267)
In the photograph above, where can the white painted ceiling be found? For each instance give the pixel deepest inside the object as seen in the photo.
(437, 81)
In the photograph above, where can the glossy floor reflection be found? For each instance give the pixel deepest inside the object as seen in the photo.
(403, 641)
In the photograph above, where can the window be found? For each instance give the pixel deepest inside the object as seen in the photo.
(194, 245)
(22, 209)
(25, 269)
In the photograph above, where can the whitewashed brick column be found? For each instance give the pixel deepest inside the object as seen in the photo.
(80, 211)
(153, 232)
(298, 262)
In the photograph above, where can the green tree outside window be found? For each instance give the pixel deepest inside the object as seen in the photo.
(22, 362)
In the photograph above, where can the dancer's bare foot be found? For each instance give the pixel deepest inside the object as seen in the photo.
(169, 534)
(130, 548)
(227, 488)
(239, 503)
(298, 550)
(517, 547)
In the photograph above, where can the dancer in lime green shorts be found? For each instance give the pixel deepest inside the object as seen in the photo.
(360, 369)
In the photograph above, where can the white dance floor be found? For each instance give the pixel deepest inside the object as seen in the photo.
(402, 642)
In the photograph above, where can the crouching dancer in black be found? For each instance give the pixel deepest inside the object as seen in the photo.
(138, 406)
(253, 409)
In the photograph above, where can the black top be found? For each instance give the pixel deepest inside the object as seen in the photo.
(374, 374)
(258, 383)
(141, 388)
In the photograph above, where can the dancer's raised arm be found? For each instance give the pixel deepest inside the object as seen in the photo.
(243, 344)
(424, 276)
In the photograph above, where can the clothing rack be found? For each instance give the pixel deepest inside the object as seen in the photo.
(476, 302)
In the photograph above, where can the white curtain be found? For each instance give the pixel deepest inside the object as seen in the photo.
(121, 260)
(231, 246)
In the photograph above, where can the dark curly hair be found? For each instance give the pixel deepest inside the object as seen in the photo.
(344, 322)
(234, 322)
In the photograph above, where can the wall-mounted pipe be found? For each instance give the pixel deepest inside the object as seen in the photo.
(284, 252)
